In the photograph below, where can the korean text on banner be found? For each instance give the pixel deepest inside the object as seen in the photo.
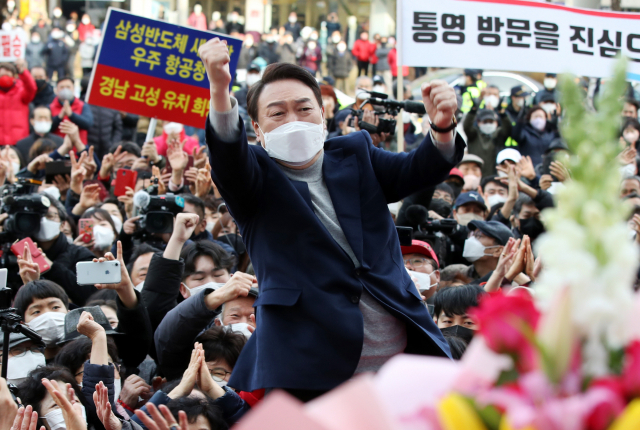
(12, 45)
(151, 68)
(518, 35)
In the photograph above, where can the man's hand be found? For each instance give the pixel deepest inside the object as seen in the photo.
(441, 104)
(150, 151)
(519, 262)
(78, 173)
(178, 159)
(215, 56)
(125, 288)
(203, 182)
(188, 377)
(66, 110)
(238, 286)
(103, 408)
(29, 271)
(545, 182)
(526, 169)
(127, 199)
(25, 419)
(89, 164)
(70, 129)
(133, 388)
(184, 226)
(130, 225)
(203, 379)
(88, 327)
(109, 161)
(505, 262)
(89, 197)
(200, 157)
(559, 170)
(162, 419)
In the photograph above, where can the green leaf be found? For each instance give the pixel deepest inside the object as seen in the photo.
(507, 376)
(489, 415)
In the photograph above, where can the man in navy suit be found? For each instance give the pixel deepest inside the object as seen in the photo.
(335, 299)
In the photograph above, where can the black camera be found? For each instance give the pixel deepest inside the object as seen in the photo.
(445, 226)
(158, 214)
(25, 210)
(386, 106)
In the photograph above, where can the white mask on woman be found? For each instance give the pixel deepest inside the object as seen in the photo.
(296, 142)
(103, 236)
(48, 230)
(117, 222)
(538, 123)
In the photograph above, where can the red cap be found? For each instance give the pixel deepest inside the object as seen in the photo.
(420, 247)
(456, 172)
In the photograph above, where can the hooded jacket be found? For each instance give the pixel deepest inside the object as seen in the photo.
(14, 109)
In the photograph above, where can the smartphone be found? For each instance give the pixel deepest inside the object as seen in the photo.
(55, 168)
(169, 169)
(85, 229)
(89, 273)
(37, 257)
(3, 278)
(405, 235)
(124, 178)
(546, 167)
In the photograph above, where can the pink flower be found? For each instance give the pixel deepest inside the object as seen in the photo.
(608, 402)
(631, 370)
(503, 322)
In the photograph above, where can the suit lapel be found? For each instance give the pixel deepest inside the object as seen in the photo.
(343, 182)
(303, 190)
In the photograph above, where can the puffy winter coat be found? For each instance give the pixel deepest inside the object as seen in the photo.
(14, 109)
(363, 50)
(106, 129)
(340, 64)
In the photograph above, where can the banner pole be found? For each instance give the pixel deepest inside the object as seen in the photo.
(151, 131)
(400, 80)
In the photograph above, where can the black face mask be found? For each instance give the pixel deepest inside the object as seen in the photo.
(457, 189)
(40, 84)
(440, 207)
(531, 227)
(463, 333)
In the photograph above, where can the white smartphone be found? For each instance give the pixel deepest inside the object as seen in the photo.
(89, 273)
(3, 278)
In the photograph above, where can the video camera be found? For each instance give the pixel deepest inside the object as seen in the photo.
(25, 210)
(388, 106)
(433, 231)
(157, 212)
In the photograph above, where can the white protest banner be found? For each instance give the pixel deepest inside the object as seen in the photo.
(12, 45)
(517, 35)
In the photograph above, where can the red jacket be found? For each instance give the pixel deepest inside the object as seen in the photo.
(393, 64)
(14, 109)
(83, 119)
(161, 143)
(363, 50)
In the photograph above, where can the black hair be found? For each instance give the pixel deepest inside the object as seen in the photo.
(446, 188)
(32, 114)
(102, 302)
(457, 346)
(18, 154)
(138, 251)
(75, 353)
(62, 212)
(43, 145)
(457, 300)
(523, 200)
(119, 205)
(127, 146)
(492, 180)
(40, 289)
(220, 343)
(221, 258)
(195, 407)
(196, 201)
(455, 272)
(102, 295)
(532, 110)
(65, 78)
(630, 122)
(278, 72)
(101, 215)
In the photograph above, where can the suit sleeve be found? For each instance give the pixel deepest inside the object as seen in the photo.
(402, 174)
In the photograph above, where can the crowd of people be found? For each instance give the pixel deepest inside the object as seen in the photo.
(157, 349)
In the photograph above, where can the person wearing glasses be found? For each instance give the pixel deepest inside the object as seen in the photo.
(24, 356)
(420, 257)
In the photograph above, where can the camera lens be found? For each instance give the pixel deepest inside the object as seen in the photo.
(159, 222)
(27, 222)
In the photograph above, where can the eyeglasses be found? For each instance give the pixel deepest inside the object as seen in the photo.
(218, 374)
(416, 262)
(21, 351)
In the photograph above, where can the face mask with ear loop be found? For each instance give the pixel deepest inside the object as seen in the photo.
(296, 142)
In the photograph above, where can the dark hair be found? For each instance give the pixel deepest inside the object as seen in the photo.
(18, 154)
(633, 102)
(41, 146)
(221, 258)
(119, 205)
(102, 302)
(457, 300)
(211, 203)
(75, 353)
(65, 78)
(220, 343)
(630, 122)
(446, 188)
(523, 199)
(32, 392)
(195, 407)
(32, 114)
(127, 146)
(10, 67)
(494, 86)
(138, 251)
(74, 227)
(457, 346)
(455, 272)
(196, 201)
(532, 110)
(62, 212)
(492, 179)
(278, 72)
(102, 295)
(40, 289)
(101, 215)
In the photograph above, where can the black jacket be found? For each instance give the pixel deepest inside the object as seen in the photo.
(136, 338)
(129, 126)
(105, 131)
(44, 96)
(24, 145)
(64, 257)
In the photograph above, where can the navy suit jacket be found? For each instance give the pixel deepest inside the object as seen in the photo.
(310, 328)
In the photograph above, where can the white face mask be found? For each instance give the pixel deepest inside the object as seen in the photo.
(519, 102)
(312, 45)
(548, 107)
(65, 94)
(538, 123)
(117, 387)
(173, 128)
(117, 223)
(239, 328)
(222, 383)
(210, 225)
(336, 39)
(50, 326)
(57, 34)
(197, 9)
(139, 287)
(42, 127)
(56, 420)
(296, 142)
(35, 39)
(465, 219)
(19, 367)
(86, 20)
(488, 128)
(474, 249)
(491, 102)
(57, 13)
(69, 240)
(379, 89)
(495, 199)
(52, 192)
(195, 290)
(341, 47)
(550, 83)
(423, 279)
(103, 236)
(252, 78)
(48, 230)
(70, 28)
(16, 167)
(631, 137)
(293, 19)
